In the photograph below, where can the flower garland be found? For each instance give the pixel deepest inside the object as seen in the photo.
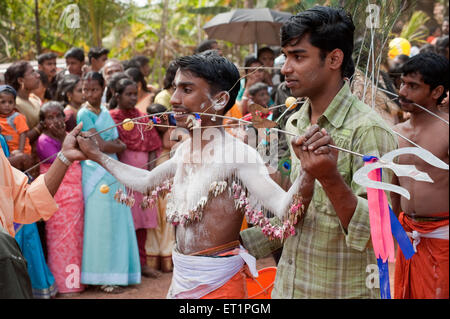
(255, 217)
(258, 218)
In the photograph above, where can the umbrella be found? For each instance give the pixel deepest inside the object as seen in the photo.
(247, 26)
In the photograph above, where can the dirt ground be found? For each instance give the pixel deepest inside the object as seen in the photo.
(150, 288)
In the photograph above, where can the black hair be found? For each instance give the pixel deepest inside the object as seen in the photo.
(403, 58)
(265, 49)
(44, 80)
(8, 89)
(249, 60)
(138, 61)
(432, 67)
(220, 73)
(137, 76)
(96, 52)
(255, 88)
(48, 105)
(14, 72)
(119, 87)
(65, 85)
(156, 108)
(111, 87)
(75, 53)
(328, 29)
(427, 48)
(205, 45)
(96, 76)
(43, 77)
(442, 45)
(45, 57)
(170, 75)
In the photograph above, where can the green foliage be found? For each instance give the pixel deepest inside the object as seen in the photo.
(128, 30)
(414, 30)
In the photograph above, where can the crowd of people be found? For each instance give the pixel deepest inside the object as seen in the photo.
(93, 240)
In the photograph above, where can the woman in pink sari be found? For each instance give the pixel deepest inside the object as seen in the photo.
(64, 230)
(142, 146)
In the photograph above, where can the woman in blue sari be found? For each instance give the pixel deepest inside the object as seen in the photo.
(110, 251)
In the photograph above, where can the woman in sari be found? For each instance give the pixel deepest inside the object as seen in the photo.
(27, 237)
(142, 146)
(110, 251)
(64, 230)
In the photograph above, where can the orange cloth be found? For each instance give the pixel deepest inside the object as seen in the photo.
(426, 274)
(12, 133)
(235, 288)
(21, 202)
(233, 112)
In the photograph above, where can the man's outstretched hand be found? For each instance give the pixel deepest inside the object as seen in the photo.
(70, 147)
(89, 146)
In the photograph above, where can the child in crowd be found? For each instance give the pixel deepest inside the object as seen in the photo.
(14, 128)
(259, 94)
(70, 94)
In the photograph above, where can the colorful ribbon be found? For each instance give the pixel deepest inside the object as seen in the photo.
(380, 224)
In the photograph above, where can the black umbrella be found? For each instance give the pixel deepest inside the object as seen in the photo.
(247, 26)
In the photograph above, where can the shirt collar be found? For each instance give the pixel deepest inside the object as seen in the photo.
(339, 106)
(335, 113)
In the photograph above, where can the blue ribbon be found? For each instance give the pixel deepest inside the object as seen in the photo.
(367, 158)
(400, 235)
(383, 272)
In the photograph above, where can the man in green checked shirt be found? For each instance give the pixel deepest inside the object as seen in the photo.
(331, 254)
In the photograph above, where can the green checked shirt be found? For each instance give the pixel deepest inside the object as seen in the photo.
(323, 260)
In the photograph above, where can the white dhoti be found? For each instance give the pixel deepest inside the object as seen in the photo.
(196, 276)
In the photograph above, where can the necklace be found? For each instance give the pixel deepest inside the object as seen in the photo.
(93, 109)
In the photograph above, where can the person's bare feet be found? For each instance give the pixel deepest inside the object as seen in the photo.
(146, 271)
(112, 289)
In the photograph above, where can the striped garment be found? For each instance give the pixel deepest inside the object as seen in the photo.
(323, 260)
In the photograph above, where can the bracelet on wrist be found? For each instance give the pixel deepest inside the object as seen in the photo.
(64, 159)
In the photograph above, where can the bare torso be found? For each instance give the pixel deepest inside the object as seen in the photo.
(220, 224)
(427, 199)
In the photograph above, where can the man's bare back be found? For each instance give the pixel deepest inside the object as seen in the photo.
(427, 199)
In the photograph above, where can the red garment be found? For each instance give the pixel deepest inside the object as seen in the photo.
(64, 231)
(133, 138)
(426, 274)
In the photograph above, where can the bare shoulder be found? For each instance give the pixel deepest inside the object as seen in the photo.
(402, 127)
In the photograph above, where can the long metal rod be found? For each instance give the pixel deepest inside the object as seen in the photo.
(419, 106)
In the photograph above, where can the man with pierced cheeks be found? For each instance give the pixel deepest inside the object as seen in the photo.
(206, 171)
